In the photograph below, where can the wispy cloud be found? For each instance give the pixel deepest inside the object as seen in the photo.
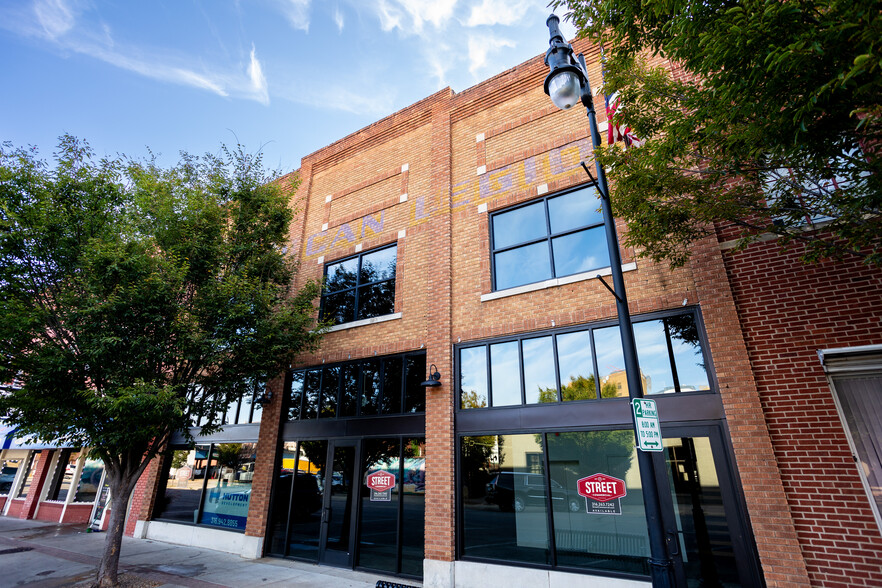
(411, 16)
(258, 81)
(480, 46)
(64, 26)
(497, 12)
(297, 13)
(338, 18)
(56, 17)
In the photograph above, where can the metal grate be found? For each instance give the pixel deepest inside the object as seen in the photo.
(385, 584)
(15, 550)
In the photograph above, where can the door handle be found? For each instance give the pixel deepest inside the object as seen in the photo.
(673, 543)
(325, 512)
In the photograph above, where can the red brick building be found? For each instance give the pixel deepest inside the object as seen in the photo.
(461, 235)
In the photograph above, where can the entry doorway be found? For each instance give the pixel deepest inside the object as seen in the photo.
(326, 511)
(707, 532)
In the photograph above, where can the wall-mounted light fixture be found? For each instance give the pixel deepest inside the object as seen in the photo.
(434, 379)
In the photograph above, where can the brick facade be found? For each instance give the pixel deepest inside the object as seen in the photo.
(427, 177)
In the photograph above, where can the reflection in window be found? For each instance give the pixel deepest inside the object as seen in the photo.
(593, 540)
(8, 471)
(63, 477)
(565, 228)
(360, 287)
(359, 388)
(504, 510)
(473, 377)
(179, 501)
(669, 352)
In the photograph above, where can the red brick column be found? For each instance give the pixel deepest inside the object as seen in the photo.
(770, 517)
(440, 490)
(264, 466)
(144, 495)
(40, 474)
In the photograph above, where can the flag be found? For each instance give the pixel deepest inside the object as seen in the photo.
(618, 130)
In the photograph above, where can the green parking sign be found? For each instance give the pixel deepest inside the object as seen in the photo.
(647, 425)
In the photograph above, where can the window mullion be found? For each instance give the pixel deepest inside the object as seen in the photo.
(548, 237)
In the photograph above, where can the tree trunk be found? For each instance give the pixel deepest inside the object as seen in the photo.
(108, 569)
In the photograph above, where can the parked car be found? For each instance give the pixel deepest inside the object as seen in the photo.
(518, 490)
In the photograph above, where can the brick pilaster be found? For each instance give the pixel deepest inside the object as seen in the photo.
(40, 476)
(264, 466)
(776, 539)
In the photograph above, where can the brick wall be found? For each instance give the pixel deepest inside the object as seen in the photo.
(788, 311)
(41, 473)
(264, 464)
(144, 495)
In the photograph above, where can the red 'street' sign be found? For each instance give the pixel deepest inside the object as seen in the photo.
(381, 481)
(601, 487)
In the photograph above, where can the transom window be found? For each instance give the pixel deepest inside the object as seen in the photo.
(360, 287)
(362, 388)
(567, 365)
(556, 236)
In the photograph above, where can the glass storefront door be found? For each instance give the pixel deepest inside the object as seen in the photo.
(327, 507)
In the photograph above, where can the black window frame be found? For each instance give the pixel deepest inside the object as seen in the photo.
(549, 236)
(590, 328)
(358, 284)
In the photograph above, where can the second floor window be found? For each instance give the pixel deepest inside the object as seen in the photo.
(360, 287)
(559, 235)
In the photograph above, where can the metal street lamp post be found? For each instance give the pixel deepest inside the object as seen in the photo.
(567, 84)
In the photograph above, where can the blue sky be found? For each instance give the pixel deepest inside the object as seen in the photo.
(283, 76)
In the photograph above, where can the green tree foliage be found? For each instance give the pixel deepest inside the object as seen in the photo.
(134, 299)
(773, 123)
(578, 388)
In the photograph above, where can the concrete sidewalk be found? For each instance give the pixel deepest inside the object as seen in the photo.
(48, 555)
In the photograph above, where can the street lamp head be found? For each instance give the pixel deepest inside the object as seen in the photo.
(566, 83)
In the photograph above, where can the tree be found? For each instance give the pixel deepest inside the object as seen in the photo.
(770, 120)
(578, 388)
(136, 299)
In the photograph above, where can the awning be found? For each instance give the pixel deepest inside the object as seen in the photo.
(8, 440)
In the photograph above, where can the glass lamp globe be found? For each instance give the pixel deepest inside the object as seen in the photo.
(565, 90)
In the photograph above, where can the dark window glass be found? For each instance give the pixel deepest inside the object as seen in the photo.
(540, 384)
(349, 390)
(414, 393)
(311, 390)
(296, 396)
(306, 500)
(413, 489)
(64, 475)
(330, 388)
(567, 226)
(587, 539)
(183, 486)
(370, 387)
(282, 500)
(576, 368)
(505, 374)
(392, 373)
(378, 537)
(228, 492)
(504, 507)
(473, 377)
(360, 287)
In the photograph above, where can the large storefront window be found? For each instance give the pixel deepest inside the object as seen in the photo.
(209, 485)
(89, 481)
(8, 470)
(62, 477)
(507, 494)
(567, 365)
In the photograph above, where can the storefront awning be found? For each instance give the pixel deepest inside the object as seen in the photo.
(8, 440)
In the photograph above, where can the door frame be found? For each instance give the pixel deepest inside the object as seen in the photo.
(334, 557)
(743, 545)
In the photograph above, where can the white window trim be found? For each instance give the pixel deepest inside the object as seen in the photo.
(860, 360)
(606, 271)
(364, 322)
